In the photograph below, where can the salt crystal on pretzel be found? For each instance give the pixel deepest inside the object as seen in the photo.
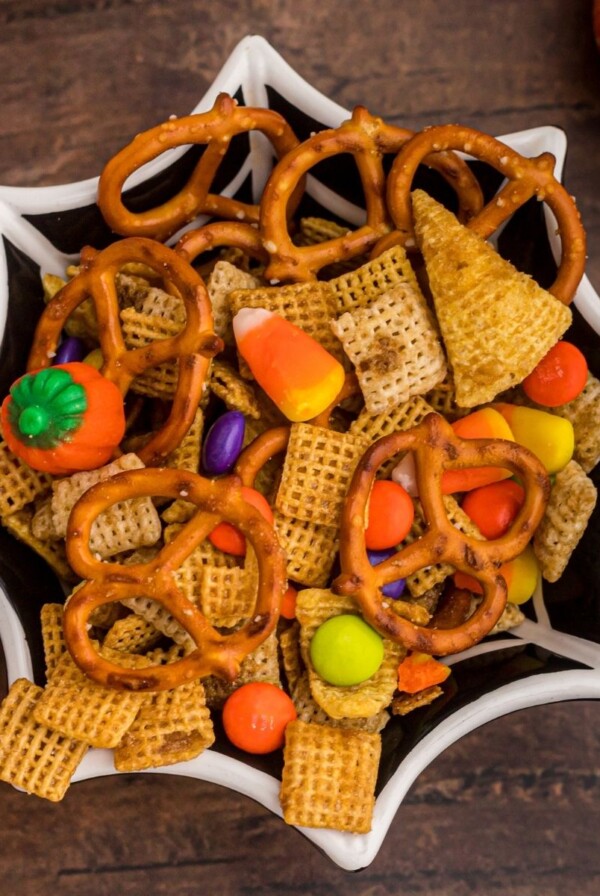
(315, 606)
(496, 322)
(318, 790)
(394, 348)
(34, 756)
(572, 500)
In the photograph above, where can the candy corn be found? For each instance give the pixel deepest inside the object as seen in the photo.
(297, 373)
(548, 436)
(485, 423)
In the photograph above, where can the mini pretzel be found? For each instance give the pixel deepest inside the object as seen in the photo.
(194, 345)
(255, 455)
(215, 129)
(367, 138)
(216, 653)
(232, 234)
(436, 448)
(525, 178)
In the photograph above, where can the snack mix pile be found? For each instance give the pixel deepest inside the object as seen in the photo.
(282, 483)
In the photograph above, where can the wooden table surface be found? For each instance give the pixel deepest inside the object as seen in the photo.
(512, 809)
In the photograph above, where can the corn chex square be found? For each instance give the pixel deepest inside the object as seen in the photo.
(260, 665)
(53, 638)
(32, 755)
(310, 549)
(572, 500)
(21, 525)
(308, 710)
(317, 471)
(237, 394)
(496, 322)
(584, 413)
(19, 484)
(394, 347)
(361, 287)
(174, 726)
(77, 707)
(141, 329)
(329, 777)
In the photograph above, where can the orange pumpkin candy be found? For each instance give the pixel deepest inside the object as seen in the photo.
(63, 419)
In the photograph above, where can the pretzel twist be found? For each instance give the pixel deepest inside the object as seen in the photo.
(215, 128)
(525, 178)
(436, 448)
(368, 139)
(232, 234)
(215, 653)
(194, 345)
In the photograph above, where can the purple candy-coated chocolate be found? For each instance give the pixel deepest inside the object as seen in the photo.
(392, 589)
(70, 349)
(223, 443)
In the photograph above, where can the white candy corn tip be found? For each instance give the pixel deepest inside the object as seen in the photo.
(405, 474)
(248, 319)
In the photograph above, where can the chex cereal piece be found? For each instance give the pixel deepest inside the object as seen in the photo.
(496, 322)
(402, 704)
(310, 306)
(309, 711)
(223, 279)
(329, 777)
(394, 347)
(361, 287)
(42, 521)
(317, 470)
(32, 755)
(289, 645)
(82, 321)
(227, 595)
(139, 330)
(174, 726)
(157, 303)
(132, 634)
(19, 484)
(512, 615)
(313, 607)
(53, 552)
(77, 707)
(124, 526)
(423, 580)
(237, 395)
(584, 414)
(53, 638)
(260, 665)
(403, 416)
(186, 457)
(572, 500)
(161, 619)
(310, 549)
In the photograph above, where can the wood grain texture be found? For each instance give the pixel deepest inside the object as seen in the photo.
(512, 809)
